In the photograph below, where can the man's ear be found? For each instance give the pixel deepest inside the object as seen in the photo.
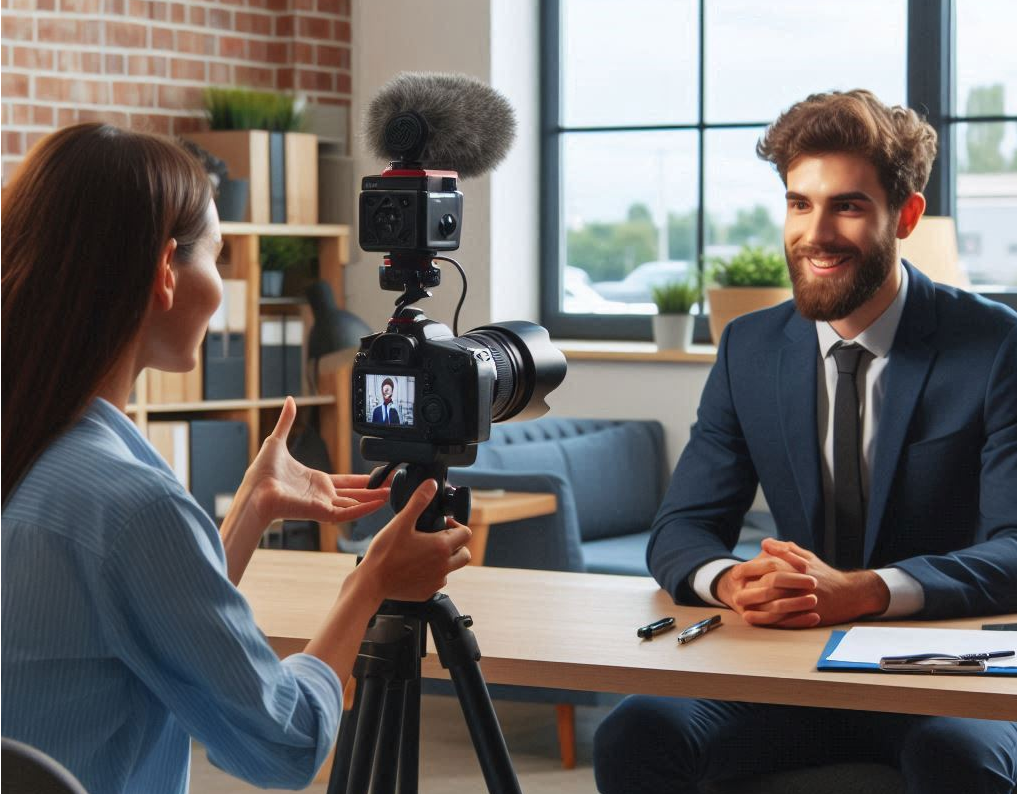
(165, 278)
(910, 214)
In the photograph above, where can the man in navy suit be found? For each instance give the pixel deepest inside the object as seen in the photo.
(386, 414)
(878, 411)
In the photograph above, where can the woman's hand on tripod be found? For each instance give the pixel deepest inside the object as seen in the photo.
(407, 565)
(400, 564)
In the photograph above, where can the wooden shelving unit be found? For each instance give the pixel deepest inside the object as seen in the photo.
(260, 414)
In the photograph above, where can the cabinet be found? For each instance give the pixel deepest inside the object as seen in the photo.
(241, 261)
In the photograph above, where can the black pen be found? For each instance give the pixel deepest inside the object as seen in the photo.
(655, 628)
(698, 629)
(989, 655)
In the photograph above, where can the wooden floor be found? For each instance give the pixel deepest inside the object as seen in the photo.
(448, 764)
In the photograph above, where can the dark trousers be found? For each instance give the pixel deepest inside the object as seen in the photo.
(655, 744)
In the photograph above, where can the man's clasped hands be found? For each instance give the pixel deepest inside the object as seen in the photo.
(789, 587)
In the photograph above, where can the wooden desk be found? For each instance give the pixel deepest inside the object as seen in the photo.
(489, 508)
(578, 631)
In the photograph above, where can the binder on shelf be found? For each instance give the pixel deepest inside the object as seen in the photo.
(172, 441)
(277, 176)
(223, 353)
(218, 452)
(293, 355)
(273, 382)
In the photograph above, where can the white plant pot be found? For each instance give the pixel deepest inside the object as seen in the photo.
(673, 331)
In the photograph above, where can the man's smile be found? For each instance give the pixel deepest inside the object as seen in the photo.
(828, 263)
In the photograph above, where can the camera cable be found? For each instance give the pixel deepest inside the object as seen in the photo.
(462, 298)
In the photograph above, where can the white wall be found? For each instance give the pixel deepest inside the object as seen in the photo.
(501, 225)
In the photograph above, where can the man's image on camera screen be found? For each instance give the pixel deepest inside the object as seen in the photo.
(390, 400)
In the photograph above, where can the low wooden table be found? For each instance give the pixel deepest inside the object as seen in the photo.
(497, 508)
(578, 631)
(488, 508)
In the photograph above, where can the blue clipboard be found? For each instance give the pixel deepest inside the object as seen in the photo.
(825, 664)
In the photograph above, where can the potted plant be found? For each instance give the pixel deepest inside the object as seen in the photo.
(754, 278)
(672, 324)
(257, 134)
(282, 255)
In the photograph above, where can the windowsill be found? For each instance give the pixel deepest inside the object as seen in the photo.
(602, 350)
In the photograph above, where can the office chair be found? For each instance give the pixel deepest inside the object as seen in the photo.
(26, 770)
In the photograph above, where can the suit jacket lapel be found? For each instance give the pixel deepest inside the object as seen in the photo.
(910, 360)
(797, 389)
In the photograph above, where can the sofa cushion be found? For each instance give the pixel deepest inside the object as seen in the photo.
(614, 472)
(624, 555)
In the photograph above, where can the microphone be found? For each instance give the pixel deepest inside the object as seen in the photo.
(441, 121)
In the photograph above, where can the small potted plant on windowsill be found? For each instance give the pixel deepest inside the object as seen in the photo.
(286, 255)
(754, 278)
(672, 324)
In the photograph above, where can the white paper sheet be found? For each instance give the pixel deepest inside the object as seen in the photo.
(869, 645)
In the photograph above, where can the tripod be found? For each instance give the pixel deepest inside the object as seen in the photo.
(379, 739)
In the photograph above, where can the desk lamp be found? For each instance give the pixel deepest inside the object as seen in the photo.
(334, 330)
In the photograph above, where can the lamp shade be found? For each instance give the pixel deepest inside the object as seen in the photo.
(334, 329)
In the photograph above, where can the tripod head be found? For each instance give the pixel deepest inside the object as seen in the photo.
(431, 463)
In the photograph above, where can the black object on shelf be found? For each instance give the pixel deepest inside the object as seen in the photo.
(224, 362)
(218, 457)
(333, 330)
(273, 382)
(232, 199)
(277, 176)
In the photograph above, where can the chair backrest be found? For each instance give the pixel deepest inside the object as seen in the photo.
(27, 770)
(616, 468)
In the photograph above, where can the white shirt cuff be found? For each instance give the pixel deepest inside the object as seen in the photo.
(702, 580)
(906, 595)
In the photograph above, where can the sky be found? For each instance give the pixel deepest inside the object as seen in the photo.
(641, 68)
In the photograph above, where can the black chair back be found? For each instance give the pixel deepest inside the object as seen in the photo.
(26, 770)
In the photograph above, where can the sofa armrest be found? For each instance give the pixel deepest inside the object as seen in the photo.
(551, 542)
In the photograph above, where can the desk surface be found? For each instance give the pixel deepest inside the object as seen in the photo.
(578, 631)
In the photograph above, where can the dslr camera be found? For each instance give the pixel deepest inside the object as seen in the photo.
(423, 395)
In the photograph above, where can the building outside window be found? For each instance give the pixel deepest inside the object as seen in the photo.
(651, 118)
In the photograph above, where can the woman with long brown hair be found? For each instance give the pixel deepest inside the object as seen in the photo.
(124, 633)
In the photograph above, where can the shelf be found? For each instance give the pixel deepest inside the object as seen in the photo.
(231, 405)
(286, 301)
(232, 229)
(633, 351)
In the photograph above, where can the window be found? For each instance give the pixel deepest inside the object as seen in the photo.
(652, 109)
(984, 132)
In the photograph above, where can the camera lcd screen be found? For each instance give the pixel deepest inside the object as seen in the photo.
(389, 399)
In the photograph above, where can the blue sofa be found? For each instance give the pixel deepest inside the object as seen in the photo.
(608, 477)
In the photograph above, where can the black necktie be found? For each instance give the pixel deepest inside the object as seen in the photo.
(845, 540)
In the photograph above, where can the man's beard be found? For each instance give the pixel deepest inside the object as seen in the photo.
(836, 297)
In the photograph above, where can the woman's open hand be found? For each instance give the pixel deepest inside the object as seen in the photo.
(282, 487)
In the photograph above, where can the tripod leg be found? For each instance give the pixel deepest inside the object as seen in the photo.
(368, 722)
(488, 740)
(409, 752)
(338, 780)
(459, 653)
(386, 754)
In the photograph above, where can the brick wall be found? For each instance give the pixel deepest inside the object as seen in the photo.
(143, 63)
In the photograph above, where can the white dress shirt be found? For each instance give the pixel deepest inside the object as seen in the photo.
(906, 594)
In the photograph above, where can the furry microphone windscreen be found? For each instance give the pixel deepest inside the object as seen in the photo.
(471, 126)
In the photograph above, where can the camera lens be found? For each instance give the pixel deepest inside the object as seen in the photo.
(528, 365)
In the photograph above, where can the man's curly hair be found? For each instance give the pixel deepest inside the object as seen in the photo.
(896, 140)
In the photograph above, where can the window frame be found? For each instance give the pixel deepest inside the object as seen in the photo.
(930, 88)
